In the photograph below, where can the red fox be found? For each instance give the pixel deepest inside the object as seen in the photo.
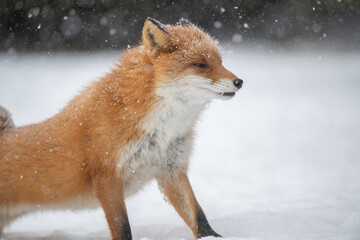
(133, 125)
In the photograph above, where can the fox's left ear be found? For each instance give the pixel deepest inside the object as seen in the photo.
(155, 35)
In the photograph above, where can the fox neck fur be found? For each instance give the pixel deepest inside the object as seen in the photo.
(151, 126)
(165, 142)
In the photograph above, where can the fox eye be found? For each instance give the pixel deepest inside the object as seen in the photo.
(201, 65)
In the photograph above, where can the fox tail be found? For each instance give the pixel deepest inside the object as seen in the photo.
(6, 121)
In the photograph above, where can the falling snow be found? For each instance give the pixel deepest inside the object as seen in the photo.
(283, 125)
(279, 161)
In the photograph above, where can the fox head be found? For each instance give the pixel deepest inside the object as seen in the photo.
(187, 62)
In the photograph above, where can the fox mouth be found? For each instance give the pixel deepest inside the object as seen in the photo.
(227, 94)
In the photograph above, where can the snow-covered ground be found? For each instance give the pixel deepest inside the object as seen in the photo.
(280, 161)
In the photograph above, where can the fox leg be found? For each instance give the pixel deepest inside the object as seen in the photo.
(4, 219)
(110, 192)
(7, 218)
(180, 194)
(6, 222)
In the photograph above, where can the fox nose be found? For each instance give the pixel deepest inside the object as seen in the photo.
(238, 83)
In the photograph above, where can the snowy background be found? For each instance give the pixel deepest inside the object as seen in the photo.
(281, 160)
(33, 25)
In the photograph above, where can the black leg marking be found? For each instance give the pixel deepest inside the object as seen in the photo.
(204, 228)
(126, 234)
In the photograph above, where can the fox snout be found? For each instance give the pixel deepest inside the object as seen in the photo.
(237, 83)
(220, 74)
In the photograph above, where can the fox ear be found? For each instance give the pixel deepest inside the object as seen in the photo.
(155, 36)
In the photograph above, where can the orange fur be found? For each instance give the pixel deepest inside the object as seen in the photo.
(73, 157)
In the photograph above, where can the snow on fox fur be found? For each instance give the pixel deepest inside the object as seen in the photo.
(131, 126)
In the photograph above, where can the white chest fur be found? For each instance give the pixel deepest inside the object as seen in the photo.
(164, 149)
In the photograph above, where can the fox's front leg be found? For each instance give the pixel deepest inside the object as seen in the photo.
(179, 192)
(110, 191)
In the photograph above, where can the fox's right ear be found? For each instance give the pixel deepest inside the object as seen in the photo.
(155, 35)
